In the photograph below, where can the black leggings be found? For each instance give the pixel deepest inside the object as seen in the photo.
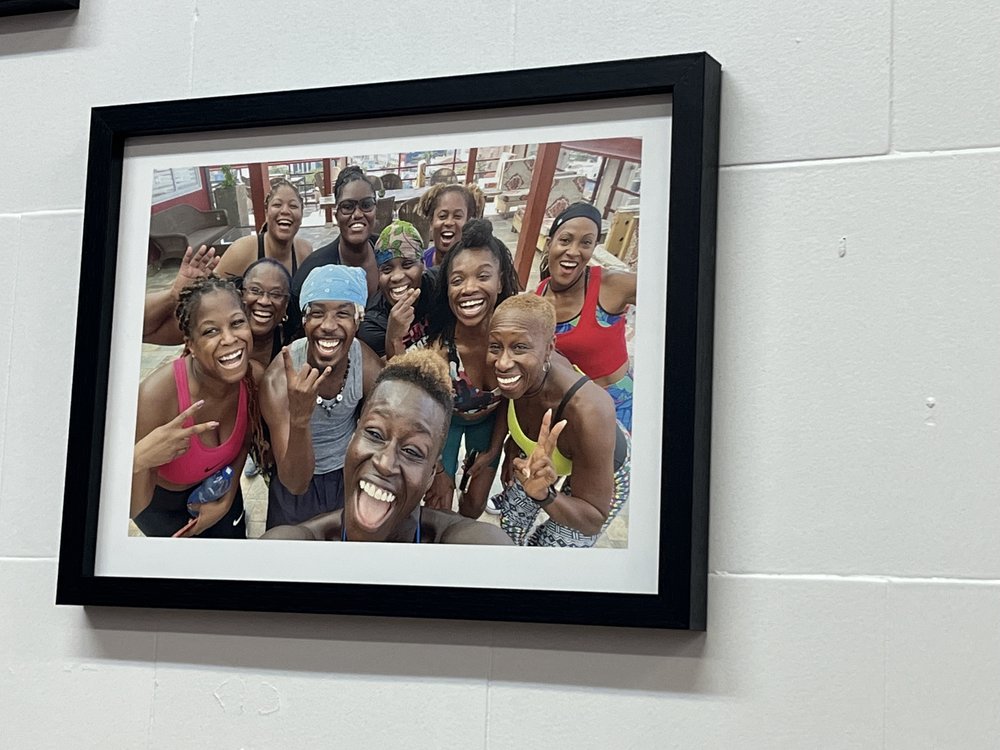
(167, 514)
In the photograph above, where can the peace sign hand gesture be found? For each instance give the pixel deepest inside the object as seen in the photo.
(168, 441)
(537, 472)
(302, 389)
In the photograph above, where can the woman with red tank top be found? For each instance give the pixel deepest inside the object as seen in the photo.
(590, 305)
(212, 381)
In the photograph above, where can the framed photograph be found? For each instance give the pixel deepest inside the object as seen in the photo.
(632, 144)
(21, 7)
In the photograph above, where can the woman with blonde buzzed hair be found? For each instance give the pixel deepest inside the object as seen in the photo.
(575, 458)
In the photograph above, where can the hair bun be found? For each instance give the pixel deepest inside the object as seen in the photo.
(477, 233)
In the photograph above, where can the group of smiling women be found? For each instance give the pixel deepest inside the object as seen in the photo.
(353, 376)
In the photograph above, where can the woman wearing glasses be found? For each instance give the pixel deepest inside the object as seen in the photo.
(266, 286)
(355, 246)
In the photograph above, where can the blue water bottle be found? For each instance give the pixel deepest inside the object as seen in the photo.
(211, 489)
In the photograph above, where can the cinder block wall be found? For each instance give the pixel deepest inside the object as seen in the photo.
(854, 594)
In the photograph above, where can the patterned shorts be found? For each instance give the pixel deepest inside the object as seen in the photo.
(518, 512)
(621, 394)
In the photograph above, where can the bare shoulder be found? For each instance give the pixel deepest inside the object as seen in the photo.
(371, 366)
(590, 407)
(237, 257)
(303, 248)
(617, 290)
(257, 371)
(446, 527)
(158, 397)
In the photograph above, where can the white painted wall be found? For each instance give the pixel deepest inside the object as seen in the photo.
(854, 599)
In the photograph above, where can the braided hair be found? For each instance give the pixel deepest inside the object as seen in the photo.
(278, 182)
(187, 308)
(477, 234)
(347, 175)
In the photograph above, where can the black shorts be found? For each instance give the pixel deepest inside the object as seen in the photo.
(167, 514)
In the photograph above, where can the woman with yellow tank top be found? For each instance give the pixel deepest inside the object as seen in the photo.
(575, 457)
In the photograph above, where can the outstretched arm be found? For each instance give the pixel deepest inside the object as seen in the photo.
(618, 291)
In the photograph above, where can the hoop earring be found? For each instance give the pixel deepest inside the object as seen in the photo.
(546, 366)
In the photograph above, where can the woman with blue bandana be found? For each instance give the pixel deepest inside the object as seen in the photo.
(310, 395)
(397, 316)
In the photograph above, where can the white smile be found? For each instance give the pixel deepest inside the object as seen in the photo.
(397, 292)
(327, 345)
(508, 381)
(376, 492)
(471, 305)
(357, 226)
(232, 360)
(263, 316)
(569, 265)
(284, 223)
(447, 235)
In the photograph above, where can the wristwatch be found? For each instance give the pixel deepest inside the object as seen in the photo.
(550, 497)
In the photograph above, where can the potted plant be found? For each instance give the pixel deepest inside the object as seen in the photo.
(231, 196)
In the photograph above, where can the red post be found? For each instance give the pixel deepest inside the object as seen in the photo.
(260, 186)
(534, 209)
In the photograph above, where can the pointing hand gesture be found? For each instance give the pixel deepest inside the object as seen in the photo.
(166, 442)
(303, 387)
(537, 472)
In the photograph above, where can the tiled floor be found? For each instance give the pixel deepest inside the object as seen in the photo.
(254, 489)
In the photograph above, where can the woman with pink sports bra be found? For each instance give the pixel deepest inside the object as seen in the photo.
(213, 383)
(590, 305)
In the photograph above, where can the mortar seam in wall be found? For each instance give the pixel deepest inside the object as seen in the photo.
(864, 158)
(9, 369)
(885, 663)
(489, 689)
(859, 578)
(194, 23)
(892, 73)
(152, 696)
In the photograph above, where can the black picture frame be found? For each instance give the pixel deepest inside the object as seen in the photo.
(692, 81)
(23, 7)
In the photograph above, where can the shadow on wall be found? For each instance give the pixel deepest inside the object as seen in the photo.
(40, 32)
(592, 657)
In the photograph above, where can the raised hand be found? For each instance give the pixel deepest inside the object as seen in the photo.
(194, 265)
(400, 319)
(166, 442)
(537, 472)
(303, 387)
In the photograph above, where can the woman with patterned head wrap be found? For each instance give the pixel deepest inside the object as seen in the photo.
(397, 316)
